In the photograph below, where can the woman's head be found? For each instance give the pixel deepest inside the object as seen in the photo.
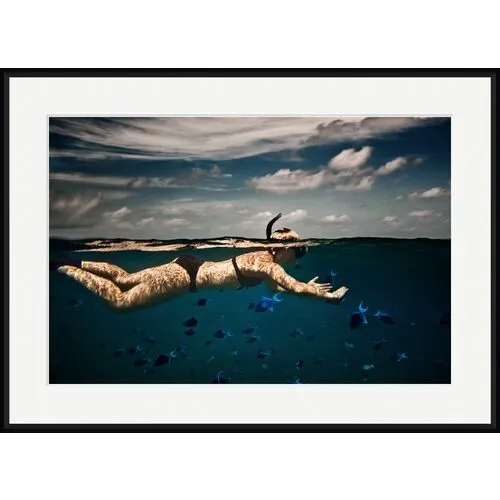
(285, 255)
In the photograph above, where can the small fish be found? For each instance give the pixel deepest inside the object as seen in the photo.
(264, 354)
(189, 332)
(179, 352)
(131, 350)
(151, 340)
(211, 358)
(191, 322)
(368, 367)
(75, 303)
(384, 317)
(330, 278)
(222, 379)
(207, 343)
(162, 359)
(411, 323)
(438, 363)
(253, 338)
(120, 352)
(319, 360)
(235, 354)
(267, 303)
(297, 381)
(296, 332)
(251, 305)
(445, 319)
(358, 317)
(222, 334)
(264, 365)
(299, 364)
(202, 302)
(140, 362)
(377, 344)
(399, 356)
(348, 346)
(250, 329)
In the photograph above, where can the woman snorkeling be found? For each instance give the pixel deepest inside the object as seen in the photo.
(124, 291)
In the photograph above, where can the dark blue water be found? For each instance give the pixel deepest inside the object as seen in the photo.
(410, 279)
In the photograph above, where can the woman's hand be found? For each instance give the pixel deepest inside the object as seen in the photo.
(337, 296)
(323, 287)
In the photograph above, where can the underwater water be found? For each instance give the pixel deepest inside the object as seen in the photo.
(408, 279)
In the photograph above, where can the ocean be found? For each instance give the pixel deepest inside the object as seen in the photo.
(307, 341)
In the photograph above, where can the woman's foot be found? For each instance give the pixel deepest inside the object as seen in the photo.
(55, 264)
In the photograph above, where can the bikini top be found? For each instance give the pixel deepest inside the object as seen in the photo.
(247, 281)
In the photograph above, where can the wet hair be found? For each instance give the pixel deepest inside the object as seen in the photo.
(283, 234)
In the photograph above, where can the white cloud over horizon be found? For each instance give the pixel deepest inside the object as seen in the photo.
(335, 218)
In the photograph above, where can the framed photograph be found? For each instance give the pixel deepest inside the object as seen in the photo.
(249, 250)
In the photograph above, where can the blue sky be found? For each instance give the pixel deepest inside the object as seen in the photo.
(203, 177)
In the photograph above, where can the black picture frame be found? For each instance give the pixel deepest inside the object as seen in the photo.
(247, 73)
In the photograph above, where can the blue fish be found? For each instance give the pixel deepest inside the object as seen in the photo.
(267, 303)
(358, 317)
(331, 278)
(222, 334)
(384, 317)
(399, 356)
(222, 379)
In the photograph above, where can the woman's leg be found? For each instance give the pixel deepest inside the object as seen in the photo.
(141, 295)
(118, 275)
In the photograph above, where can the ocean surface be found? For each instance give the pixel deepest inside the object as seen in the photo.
(410, 280)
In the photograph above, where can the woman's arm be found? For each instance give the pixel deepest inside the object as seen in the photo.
(284, 282)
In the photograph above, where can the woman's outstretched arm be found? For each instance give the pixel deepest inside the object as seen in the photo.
(283, 281)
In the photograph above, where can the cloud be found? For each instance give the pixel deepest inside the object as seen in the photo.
(421, 213)
(342, 129)
(363, 184)
(392, 220)
(262, 215)
(144, 222)
(118, 214)
(196, 208)
(176, 222)
(189, 178)
(350, 159)
(391, 166)
(348, 165)
(296, 216)
(73, 210)
(435, 192)
(335, 218)
(288, 181)
(212, 138)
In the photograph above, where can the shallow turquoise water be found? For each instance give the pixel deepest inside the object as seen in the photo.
(410, 279)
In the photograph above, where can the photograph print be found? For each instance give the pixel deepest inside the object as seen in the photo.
(250, 250)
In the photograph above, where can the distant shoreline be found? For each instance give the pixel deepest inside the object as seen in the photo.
(155, 245)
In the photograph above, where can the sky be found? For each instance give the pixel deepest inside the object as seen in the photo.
(207, 177)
